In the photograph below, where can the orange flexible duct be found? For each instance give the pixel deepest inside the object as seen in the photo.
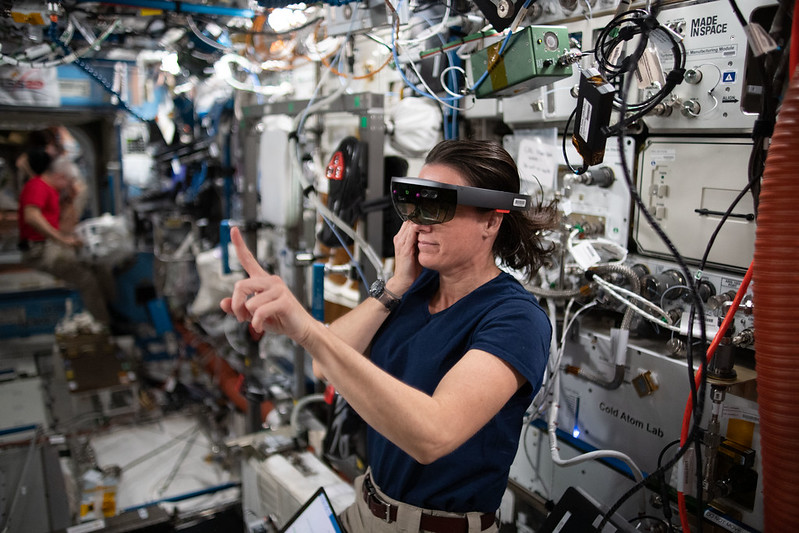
(225, 376)
(776, 293)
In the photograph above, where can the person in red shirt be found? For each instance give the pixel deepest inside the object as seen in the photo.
(44, 245)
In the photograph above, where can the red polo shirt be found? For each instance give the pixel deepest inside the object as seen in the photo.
(44, 196)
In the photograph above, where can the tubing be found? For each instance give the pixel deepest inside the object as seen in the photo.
(224, 375)
(686, 420)
(558, 294)
(776, 291)
(294, 420)
(632, 277)
(621, 342)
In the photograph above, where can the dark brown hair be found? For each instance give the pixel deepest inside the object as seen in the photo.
(485, 164)
(39, 160)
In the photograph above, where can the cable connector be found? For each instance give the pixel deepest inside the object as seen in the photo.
(650, 23)
(676, 76)
(569, 58)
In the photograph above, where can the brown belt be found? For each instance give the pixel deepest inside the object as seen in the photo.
(435, 524)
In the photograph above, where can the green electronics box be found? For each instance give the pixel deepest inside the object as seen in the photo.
(530, 60)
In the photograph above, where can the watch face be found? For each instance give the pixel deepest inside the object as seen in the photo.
(377, 288)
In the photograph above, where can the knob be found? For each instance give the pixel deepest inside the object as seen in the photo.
(601, 177)
(716, 301)
(504, 9)
(668, 283)
(693, 76)
(662, 110)
(691, 108)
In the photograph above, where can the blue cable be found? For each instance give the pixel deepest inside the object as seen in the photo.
(18, 429)
(181, 7)
(185, 496)
(346, 249)
(336, 61)
(406, 80)
(482, 78)
(453, 128)
(450, 115)
(91, 72)
(501, 52)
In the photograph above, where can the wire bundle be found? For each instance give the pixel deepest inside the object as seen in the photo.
(610, 45)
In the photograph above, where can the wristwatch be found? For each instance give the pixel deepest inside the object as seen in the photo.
(379, 292)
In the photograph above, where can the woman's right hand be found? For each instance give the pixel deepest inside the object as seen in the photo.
(406, 261)
(264, 300)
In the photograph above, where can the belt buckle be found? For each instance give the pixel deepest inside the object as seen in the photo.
(370, 490)
(387, 505)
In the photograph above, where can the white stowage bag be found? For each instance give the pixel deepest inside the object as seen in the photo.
(214, 284)
(107, 240)
(415, 126)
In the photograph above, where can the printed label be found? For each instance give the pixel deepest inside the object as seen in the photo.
(630, 419)
(726, 523)
(585, 119)
(707, 26)
(707, 52)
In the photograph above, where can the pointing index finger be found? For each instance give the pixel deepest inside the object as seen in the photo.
(246, 258)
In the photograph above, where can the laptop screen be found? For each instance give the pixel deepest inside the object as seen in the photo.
(315, 516)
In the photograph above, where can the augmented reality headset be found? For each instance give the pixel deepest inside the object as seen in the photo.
(428, 202)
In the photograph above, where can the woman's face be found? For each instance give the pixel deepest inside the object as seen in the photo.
(464, 241)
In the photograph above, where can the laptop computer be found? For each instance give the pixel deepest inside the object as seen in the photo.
(315, 516)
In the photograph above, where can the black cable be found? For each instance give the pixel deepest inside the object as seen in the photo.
(664, 486)
(738, 14)
(665, 449)
(724, 218)
(699, 484)
(755, 172)
(624, 27)
(645, 25)
(697, 397)
(618, 35)
(694, 393)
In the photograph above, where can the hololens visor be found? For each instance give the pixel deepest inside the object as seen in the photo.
(428, 202)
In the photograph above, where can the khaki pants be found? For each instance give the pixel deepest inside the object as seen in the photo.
(357, 518)
(93, 283)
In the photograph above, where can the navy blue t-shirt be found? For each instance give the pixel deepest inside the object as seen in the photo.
(501, 318)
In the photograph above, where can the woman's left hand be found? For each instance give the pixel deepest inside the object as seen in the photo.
(264, 300)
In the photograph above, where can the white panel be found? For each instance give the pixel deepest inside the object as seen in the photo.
(675, 178)
(621, 420)
(284, 482)
(715, 46)
(609, 205)
(534, 470)
(280, 193)
(23, 404)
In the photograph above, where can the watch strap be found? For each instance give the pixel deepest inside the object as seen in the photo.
(388, 299)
